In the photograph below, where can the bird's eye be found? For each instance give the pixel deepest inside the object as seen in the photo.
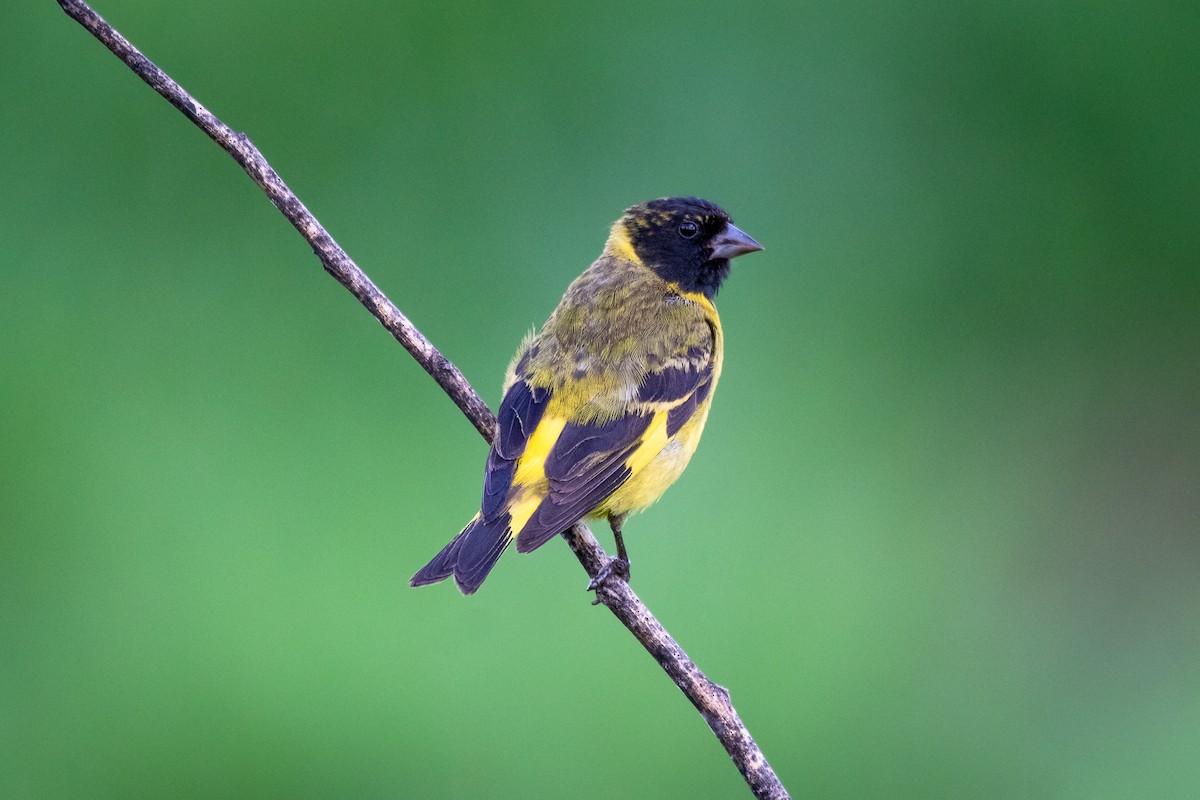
(688, 229)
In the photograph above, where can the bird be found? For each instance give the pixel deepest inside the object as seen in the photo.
(604, 405)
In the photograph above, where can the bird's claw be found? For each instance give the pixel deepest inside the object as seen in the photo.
(614, 567)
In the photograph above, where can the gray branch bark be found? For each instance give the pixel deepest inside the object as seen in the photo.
(711, 700)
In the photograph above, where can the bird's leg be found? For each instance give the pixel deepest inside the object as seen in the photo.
(621, 563)
(618, 566)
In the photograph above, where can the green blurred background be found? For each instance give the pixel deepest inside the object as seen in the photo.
(942, 538)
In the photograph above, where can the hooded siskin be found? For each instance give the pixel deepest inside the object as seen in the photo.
(604, 406)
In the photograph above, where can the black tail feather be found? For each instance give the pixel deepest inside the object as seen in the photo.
(442, 565)
(470, 556)
(481, 548)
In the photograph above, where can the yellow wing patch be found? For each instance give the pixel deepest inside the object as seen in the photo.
(529, 484)
(531, 466)
(652, 443)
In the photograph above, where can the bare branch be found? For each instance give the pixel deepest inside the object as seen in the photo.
(711, 700)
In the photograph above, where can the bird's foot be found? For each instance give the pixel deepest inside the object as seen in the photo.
(614, 567)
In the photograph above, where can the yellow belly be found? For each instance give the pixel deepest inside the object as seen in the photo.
(647, 484)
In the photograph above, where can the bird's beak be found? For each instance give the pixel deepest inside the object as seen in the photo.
(733, 242)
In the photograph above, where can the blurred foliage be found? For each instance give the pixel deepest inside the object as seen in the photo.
(942, 538)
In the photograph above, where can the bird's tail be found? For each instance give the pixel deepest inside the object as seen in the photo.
(470, 556)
